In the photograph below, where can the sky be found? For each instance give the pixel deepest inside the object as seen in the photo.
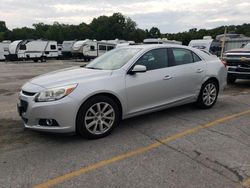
(170, 16)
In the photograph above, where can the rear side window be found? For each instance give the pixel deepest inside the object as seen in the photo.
(52, 47)
(196, 57)
(154, 59)
(182, 56)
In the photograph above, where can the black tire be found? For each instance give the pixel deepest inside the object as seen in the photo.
(231, 79)
(81, 128)
(35, 60)
(43, 59)
(201, 101)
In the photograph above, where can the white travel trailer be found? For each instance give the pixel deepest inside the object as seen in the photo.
(33, 50)
(67, 48)
(4, 49)
(38, 50)
(2, 57)
(160, 41)
(93, 49)
(90, 49)
(207, 44)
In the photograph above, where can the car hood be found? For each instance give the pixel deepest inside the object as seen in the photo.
(68, 76)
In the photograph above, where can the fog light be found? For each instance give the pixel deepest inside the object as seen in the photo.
(48, 122)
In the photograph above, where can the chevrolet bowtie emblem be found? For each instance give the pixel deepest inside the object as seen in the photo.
(243, 58)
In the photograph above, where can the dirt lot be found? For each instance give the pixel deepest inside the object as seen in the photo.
(178, 147)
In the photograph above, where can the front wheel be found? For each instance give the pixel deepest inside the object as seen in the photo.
(97, 117)
(208, 94)
(231, 79)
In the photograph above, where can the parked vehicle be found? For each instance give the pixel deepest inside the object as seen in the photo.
(90, 49)
(67, 48)
(4, 49)
(160, 41)
(120, 84)
(37, 50)
(2, 57)
(32, 50)
(238, 62)
(207, 44)
(59, 46)
(93, 49)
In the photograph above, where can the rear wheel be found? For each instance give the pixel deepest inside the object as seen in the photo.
(208, 94)
(231, 79)
(43, 59)
(97, 117)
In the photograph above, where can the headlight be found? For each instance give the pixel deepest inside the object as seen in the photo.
(54, 94)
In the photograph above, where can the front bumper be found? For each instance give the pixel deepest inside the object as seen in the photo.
(239, 72)
(62, 111)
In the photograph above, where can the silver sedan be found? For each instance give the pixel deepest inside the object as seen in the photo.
(122, 83)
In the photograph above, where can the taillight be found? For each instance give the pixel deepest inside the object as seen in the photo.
(224, 62)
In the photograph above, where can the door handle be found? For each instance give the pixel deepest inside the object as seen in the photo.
(199, 70)
(167, 77)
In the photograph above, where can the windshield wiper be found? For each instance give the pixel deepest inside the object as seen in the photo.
(93, 68)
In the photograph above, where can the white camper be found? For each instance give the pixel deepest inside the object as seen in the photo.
(207, 44)
(13, 49)
(93, 49)
(160, 41)
(77, 48)
(90, 49)
(37, 50)
(4, 49)
(2, 57)
(67, 48)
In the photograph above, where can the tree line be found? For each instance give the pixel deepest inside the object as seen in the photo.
(107, 28)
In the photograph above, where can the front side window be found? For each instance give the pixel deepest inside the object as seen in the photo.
(154, 59)
(182, 56)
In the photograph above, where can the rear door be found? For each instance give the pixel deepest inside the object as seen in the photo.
(187, 70)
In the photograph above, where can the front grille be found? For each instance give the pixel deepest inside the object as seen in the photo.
(24, 105)
(28, 93)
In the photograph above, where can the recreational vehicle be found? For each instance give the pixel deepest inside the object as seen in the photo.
(4, 49)
(90, 49)
(160, 41)
(2, 57)
(207, 44)
(33, 50)
(67, 48)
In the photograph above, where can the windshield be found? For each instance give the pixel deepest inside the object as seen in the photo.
(113, 59)
(247, 45)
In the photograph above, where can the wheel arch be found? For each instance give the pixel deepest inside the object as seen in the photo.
(110, 95)
(213, 79)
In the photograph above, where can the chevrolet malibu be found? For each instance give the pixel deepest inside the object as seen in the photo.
(120, 84)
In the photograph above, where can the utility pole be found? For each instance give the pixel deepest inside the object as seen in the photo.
(223, 42)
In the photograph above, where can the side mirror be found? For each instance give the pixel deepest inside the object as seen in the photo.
(138, 69)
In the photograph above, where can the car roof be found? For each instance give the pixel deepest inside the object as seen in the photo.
(146, 47)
